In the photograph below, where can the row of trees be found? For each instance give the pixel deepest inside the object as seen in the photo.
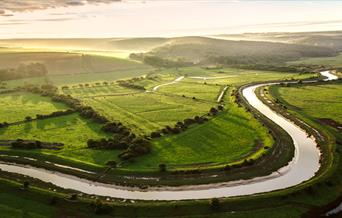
(133, 147)
(86, 85)
(160, 62)
(53, 114)
(302, 68)
(29, 144)
(4, 124)
(23, 71)
(181, 126)
(131, 83)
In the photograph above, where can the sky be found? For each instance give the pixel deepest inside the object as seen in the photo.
(163, 18)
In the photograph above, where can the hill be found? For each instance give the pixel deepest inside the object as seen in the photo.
(67, 62)
(202, 50)
(331, 39)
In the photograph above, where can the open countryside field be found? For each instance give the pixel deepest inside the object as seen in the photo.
(145, 112)
(232, 76)
(170, 109)
(229, 137)
(148, 112)
(62, 63)
(316, 101)
(71, 130)
(329, 61)
(17, 106)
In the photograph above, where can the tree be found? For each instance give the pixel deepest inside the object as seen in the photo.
(162, 167)
(111, 163)
(26, 185)
(213, 111)
(28, 118)
(214, 203)
(73, 197)
(53, 200)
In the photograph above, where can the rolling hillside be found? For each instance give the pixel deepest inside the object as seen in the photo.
(331, 39)
(208, 50)
(67, 63)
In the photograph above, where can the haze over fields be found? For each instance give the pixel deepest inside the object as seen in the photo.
(134, 18)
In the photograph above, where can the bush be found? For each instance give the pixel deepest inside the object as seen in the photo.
(21, 144)
(53, 200)
(26, 185)
(162, 167)
(213, 111)
(111, 163)
(214, 203)
(155, 135)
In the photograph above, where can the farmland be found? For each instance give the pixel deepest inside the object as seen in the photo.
(230, 137)
(170, 109)
(123, 91)
(305, 98)
(17, 106)
(63, 63)
(329, 61)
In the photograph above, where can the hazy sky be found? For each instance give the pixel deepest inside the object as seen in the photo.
(111, 18)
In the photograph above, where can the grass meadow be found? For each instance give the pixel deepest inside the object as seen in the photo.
(16, 106)
(316, 101)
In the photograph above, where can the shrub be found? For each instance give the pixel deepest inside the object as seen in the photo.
(111, 163)
(213, 111)
(26, 185)
(162, 167)
(214, 203)
(155, 135)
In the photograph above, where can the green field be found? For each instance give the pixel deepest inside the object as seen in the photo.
(16, 106)
(63, 63)
(231, 76)
(330, 61)
(147, 112)
(97, 91)
(230, 137)
(72, 130)
(199, 90)
(304, 99)
(227, 138)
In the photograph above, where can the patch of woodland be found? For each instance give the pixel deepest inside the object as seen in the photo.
(30, 144)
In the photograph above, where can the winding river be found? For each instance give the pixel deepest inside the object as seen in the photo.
(303, 166)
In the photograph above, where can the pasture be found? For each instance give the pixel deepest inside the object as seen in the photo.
(231, 76)
(231, 136)
(147, 112)
(71, 130)
(335, 61)
(16, 106)
(64, 63)
(316, 101)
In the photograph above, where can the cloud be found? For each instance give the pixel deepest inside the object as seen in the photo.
(31, 5)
